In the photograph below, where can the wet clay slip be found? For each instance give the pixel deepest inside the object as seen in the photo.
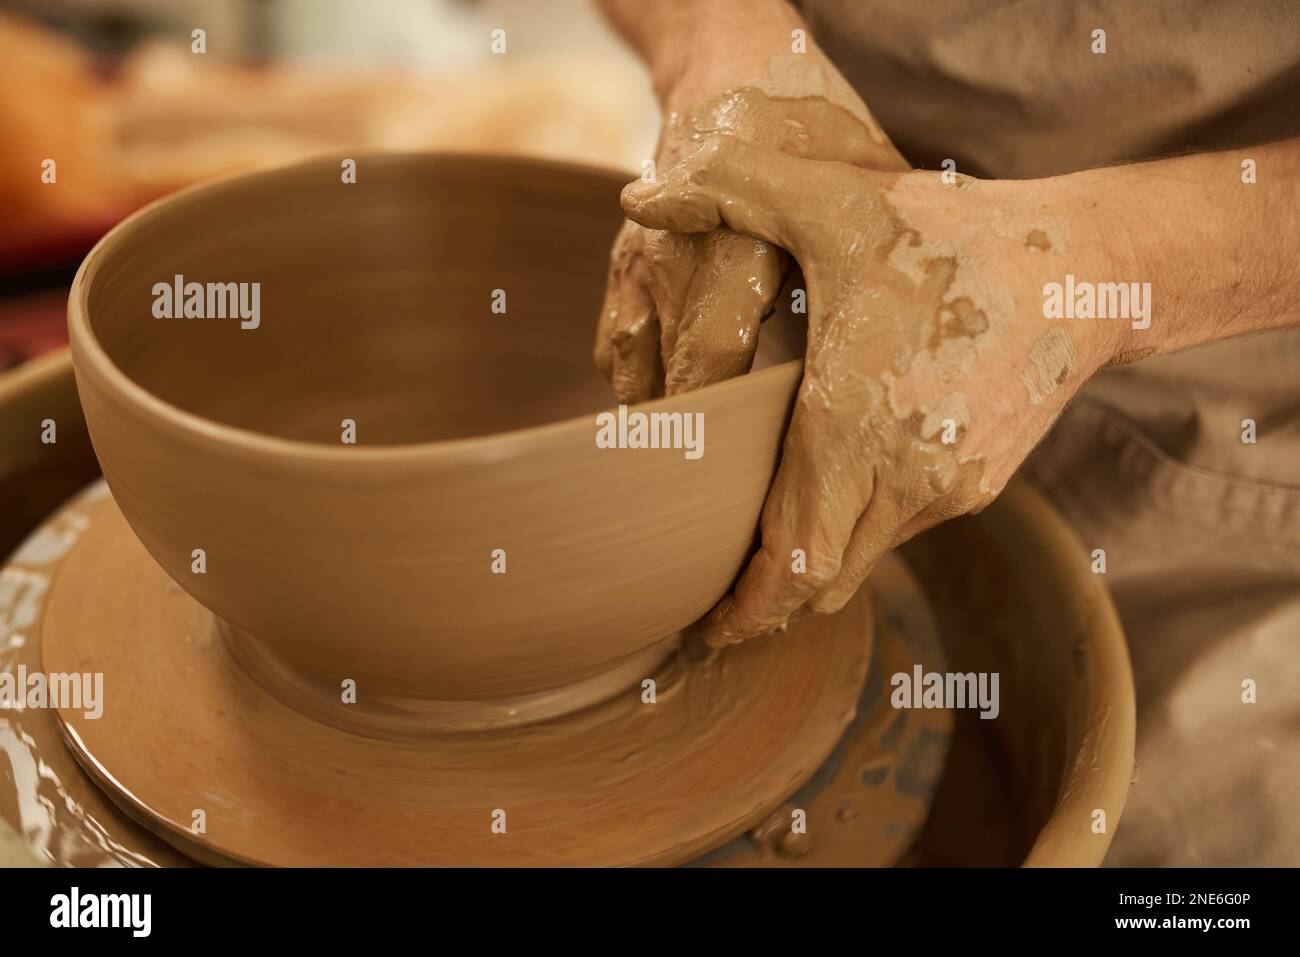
(377, 562)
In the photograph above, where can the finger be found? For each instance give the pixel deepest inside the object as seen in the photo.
(888, 521)
(636, 370)
(732, 291)
(936, 513)
(603, 349)
(671, 260)
(873, 535)
(810, 514)
(750, 189)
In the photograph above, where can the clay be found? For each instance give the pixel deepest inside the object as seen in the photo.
(623, 782)
(777, 835)
(374, 562)
(1052, 355)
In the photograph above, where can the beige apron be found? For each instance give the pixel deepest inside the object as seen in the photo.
(1201, 530)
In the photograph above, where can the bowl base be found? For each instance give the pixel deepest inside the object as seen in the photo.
(392, 717)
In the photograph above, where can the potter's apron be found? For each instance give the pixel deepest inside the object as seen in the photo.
(1201, 530)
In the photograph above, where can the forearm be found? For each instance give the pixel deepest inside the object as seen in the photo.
(1219, 253)
(703, 44)
(700, 53)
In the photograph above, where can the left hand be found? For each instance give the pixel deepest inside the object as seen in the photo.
(682, 311)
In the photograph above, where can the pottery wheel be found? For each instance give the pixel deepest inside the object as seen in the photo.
(869, 800)
(864, 805)
(195, 749)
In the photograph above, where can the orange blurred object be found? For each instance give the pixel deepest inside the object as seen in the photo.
(170, 118)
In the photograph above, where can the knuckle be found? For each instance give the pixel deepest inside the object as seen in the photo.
(829, 601)
(824, 571)
(823, 568)
(722, 145)
(716, 150)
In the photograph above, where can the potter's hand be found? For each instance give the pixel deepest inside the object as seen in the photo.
(683, 311)
(930, 372)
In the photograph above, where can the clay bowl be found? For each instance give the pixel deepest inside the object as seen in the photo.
(374, 561)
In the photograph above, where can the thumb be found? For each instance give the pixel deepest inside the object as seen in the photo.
(726, 182)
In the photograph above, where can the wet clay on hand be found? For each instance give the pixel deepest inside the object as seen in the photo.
(930, 370)
(683, 311)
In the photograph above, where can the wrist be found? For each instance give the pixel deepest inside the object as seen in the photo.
(702, 49)
(1093, 278)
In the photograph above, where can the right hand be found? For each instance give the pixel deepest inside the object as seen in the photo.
(681, 312)
(931, 368)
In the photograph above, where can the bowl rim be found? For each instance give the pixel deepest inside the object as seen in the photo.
(91, 358)
(1107, 734)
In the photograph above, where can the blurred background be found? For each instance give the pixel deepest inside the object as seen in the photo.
(113, 92)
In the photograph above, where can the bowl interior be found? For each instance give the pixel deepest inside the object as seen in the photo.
(375, 299)
(438, 298)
